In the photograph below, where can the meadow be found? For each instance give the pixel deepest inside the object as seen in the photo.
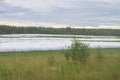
(102, 64)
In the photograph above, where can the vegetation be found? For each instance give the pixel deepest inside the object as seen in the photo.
(79, 52)
(5, 29)
(52, 65)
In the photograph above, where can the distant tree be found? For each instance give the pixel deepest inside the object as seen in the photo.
(6, 29)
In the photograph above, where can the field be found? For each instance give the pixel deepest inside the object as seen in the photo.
(52, 65)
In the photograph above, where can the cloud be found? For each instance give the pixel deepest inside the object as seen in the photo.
(79, 12)
(41, 5)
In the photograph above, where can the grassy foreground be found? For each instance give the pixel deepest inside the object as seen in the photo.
(52, 65)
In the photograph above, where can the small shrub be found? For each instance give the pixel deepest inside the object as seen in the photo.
(78, 51)
(99, 57)
(51, 60)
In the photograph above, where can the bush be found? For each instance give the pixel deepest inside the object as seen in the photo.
(99, 56)
(51, 61)
(78, 52)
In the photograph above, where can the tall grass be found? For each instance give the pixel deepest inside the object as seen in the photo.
(28, 66)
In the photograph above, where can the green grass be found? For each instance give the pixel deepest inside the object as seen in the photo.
(52, 65)
(31, 53)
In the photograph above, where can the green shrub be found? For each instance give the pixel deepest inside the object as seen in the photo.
(99, 56)
(51, 60)
(78, 52)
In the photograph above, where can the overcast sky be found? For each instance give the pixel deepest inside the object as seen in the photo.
(78, 12)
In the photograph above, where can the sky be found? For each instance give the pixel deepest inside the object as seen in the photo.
(58, 13)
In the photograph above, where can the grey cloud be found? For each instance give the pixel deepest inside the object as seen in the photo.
(81, 12)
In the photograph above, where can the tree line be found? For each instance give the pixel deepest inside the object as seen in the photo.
(6, 29)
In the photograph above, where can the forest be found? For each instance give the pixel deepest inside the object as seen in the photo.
(6, 29)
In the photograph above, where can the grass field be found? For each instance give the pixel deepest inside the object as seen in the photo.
(52, 65)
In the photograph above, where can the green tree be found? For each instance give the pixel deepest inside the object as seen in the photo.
(78, 51)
